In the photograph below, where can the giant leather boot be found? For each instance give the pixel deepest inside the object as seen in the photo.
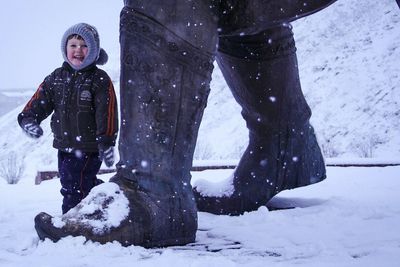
(164, 88)
(261, 70)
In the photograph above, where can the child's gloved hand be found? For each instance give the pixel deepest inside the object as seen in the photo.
(31, 128)
(106, 154)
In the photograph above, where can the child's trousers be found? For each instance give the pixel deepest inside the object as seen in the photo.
(77, 175)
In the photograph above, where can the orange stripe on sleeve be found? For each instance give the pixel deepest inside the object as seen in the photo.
(34, 97)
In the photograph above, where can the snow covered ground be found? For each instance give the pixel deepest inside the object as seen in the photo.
(350, 219)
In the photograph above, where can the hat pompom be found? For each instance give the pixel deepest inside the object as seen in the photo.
(103, 57)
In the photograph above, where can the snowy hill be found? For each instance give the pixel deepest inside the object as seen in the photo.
(348, 59)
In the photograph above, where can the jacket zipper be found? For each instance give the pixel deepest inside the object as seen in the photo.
(68, 106)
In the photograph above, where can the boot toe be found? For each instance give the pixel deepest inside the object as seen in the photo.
(45, 228)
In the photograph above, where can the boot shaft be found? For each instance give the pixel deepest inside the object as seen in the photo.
(164, 88)
(262, 73)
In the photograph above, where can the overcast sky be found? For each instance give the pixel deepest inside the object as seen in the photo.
(31, 32)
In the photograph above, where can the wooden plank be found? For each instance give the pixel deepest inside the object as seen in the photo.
(48, 175)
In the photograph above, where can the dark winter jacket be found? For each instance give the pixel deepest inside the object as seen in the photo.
(84, 108)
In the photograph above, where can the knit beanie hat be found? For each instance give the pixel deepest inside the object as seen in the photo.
(91, 36)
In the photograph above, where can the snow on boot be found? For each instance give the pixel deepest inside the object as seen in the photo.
(164, 88)
(283, 152)
(99, 213)
(125, 212)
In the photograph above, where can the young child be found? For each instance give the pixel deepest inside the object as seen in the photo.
(83, 105)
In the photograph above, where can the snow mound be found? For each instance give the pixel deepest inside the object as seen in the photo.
(215, 187)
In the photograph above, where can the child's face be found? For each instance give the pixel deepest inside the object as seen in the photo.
(76, 51)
